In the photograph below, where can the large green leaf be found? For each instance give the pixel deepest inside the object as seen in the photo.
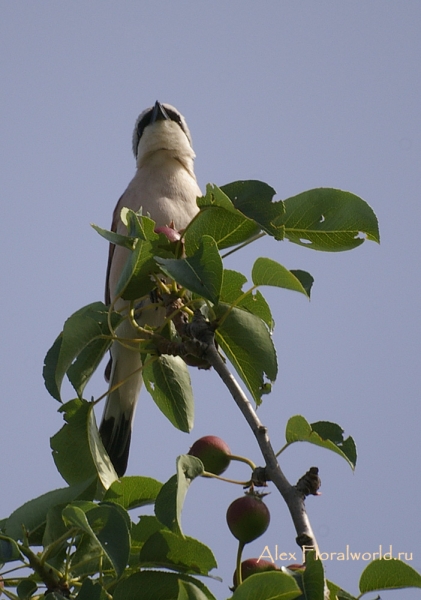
(388, 574)
(232, 293)
(115, 238)
(305, 279)
(255, 200)
(132, 492)
(219, 219)
(31, 517)
(271, 585)
(337, 592)
(107, 527)
(9, 550)
(200, 273)
(26, 589)
(79, 349)
(167, 379)
(157, 585)
(323, 433)
(170, 500)
(90, 591)
(313, 578)
(146, 526)
(171, 551)
(246, 341)
(268, 272)
(329, 219)
(136, 278)
(81, 433)
(190, 591)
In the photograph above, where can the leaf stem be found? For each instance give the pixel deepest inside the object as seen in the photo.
(213, 476)
(284, 447)
(246, 243)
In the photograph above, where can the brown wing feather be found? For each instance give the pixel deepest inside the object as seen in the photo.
(116, 217)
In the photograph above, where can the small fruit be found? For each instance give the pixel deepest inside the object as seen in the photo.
(252, 566)
(296, 567)
(248, 518)
(213, 452)
(170, 233)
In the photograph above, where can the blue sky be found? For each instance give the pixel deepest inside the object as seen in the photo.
(299, 95)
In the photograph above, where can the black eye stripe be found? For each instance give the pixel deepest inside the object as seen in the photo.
(146, 120)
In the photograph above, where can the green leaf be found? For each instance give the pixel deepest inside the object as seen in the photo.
(133, 492)
(216, 197)
(89, 557)
(189, 591)
(313, 578)
(337, 592)
(170, 500)
(171, 551)
(9, 550)
(147, 526)
(111, 527)
(323, 433)
(268, 272)
(305, 279)
(167, 379)
(26, 588)
(388, 574)
(32, 515)
(54, 528)
(272, 585)
(219, 219)
(254, 303)
(115, 238)
(81, 432)
(74, 516)
(330, 220)
(90, 590)
(255, 200)
(247, 343)
(135, 279)
(200, 273)
(50, 367)
(107, 527)
(156, 585)
(79, 348)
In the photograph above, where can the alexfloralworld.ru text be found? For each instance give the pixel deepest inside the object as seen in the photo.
(347, 554)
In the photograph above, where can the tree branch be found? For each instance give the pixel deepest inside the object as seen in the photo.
(199, 329)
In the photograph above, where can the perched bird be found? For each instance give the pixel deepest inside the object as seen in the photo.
(165, 187)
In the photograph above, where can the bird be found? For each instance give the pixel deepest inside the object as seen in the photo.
(165, 188)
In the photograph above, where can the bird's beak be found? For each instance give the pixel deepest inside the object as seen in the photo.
(159, 113)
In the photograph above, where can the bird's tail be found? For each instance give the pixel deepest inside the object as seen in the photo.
(116, 424)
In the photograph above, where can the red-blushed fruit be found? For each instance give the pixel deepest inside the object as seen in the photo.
(248, 518)
(252, 566)
(296, 567)
(171, 234)
(213, 452)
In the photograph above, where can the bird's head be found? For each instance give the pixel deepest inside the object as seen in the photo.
(162, 127)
